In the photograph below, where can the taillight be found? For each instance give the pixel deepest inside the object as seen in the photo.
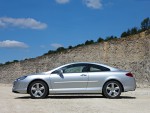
(129, 75)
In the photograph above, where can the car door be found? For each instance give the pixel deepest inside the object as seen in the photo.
(97, 75)
(73, 79)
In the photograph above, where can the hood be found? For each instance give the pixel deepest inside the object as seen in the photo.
(42, 73)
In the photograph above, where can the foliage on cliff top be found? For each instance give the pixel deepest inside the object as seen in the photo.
(145, 25)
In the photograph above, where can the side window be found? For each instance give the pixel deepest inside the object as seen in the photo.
(76, 68)
(97, 68)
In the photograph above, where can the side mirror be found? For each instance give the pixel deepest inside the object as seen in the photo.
(60, 72)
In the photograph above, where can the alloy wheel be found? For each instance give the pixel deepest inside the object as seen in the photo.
(112, 89)
(38, 89)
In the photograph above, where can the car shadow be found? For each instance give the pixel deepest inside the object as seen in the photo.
(75, 97)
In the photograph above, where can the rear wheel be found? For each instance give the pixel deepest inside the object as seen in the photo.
(112, 89)
(38, 89)
(103, 95)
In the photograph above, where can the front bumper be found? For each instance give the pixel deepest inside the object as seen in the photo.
(19, 87)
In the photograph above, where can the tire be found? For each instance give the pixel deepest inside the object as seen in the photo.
(103, 95)
(38, 90)
(112, 89)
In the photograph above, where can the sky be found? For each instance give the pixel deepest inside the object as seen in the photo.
(30, 28)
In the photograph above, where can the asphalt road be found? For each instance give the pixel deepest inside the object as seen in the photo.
(130, 102)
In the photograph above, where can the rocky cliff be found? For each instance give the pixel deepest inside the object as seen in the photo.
(130, 53)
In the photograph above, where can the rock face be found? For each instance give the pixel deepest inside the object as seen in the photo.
(130, 53)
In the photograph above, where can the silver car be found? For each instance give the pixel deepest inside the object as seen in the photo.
(76, 78)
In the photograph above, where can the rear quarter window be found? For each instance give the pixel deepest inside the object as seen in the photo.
(98, 68)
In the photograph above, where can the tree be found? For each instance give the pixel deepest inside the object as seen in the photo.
(70, 47)
(7, 63)
(89, 42)
(51, 51)
(134, 30)
(128, 32)
(79, 45)
(15, 61)
(145, 24)
(124, 34)
(110, 38)
(100, 39)
(60, 49)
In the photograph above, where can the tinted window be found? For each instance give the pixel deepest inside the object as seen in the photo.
(75, 68)
(55, 72)
(97, 68)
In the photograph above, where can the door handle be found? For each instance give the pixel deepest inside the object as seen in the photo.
(83, 75)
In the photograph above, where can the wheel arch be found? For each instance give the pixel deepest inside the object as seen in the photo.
(116, 81)
(34, 81)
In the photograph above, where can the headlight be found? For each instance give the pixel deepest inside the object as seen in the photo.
(21, 78)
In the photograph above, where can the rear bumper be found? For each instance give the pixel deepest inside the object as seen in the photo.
(130, 85)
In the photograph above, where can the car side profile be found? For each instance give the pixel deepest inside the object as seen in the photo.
(77, 78)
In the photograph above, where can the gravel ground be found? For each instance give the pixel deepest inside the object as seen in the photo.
(130, 102)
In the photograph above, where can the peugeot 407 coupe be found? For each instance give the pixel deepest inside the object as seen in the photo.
(77, 78)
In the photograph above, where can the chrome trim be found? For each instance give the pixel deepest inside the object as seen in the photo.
(74, 82)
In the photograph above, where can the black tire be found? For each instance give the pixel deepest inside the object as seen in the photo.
(103, 95)
(112, 89)
(38, 90)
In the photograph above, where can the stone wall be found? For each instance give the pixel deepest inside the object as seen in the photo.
(130, 53)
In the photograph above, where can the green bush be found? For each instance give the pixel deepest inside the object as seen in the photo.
(145, 24)
(60, 49)
(110, 38)
(88, 42)
(100, 39)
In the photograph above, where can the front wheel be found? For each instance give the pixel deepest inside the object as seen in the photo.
(112, 89)
(38, 90)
